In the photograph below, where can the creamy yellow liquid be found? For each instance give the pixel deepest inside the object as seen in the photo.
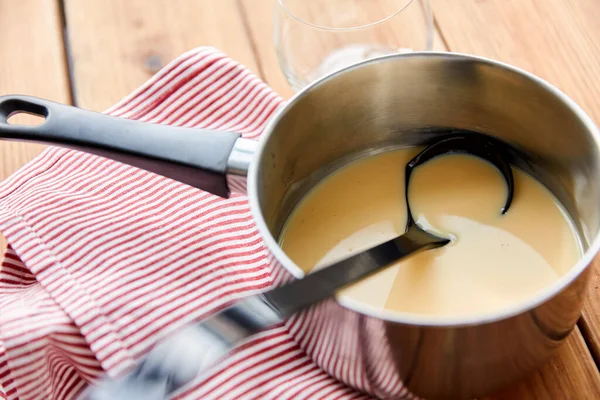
(493, 262)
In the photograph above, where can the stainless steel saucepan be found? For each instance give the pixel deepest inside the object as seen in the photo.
(394, 101)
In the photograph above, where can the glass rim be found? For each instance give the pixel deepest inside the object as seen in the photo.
(329, 28)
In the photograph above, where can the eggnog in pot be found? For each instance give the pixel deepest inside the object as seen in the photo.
(494, 260)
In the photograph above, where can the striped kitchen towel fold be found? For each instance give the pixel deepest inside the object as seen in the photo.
(105, 259)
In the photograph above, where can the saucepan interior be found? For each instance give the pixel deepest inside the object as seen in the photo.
(408, 100)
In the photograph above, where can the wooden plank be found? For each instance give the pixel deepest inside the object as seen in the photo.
(590, 321)
(33, 63)
(570, 375)
(259, 16)
(117, 45)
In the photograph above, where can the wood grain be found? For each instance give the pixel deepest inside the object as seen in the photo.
(553, 39)
(259, 15)
(570, 375)
(590, 321)
(33, 63)
(117, 45)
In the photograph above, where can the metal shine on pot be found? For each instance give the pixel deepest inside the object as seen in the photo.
(407, 100)
(394, 101)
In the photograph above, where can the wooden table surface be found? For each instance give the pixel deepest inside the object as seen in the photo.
(92, 52)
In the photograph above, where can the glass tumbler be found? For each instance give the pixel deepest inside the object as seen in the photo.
(316, 37)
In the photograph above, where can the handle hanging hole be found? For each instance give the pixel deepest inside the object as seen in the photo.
(25, 118)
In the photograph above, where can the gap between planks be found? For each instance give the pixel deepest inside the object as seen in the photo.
(33, 65)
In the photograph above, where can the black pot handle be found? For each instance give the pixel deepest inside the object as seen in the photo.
(193, 156)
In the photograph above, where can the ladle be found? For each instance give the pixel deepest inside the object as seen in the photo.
(180, 358)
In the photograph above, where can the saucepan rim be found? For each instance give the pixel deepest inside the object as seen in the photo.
(409, 318)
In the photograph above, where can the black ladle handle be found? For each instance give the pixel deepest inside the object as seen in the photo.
(193, 156)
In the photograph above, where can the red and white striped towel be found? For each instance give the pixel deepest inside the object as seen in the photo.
(105, 259)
